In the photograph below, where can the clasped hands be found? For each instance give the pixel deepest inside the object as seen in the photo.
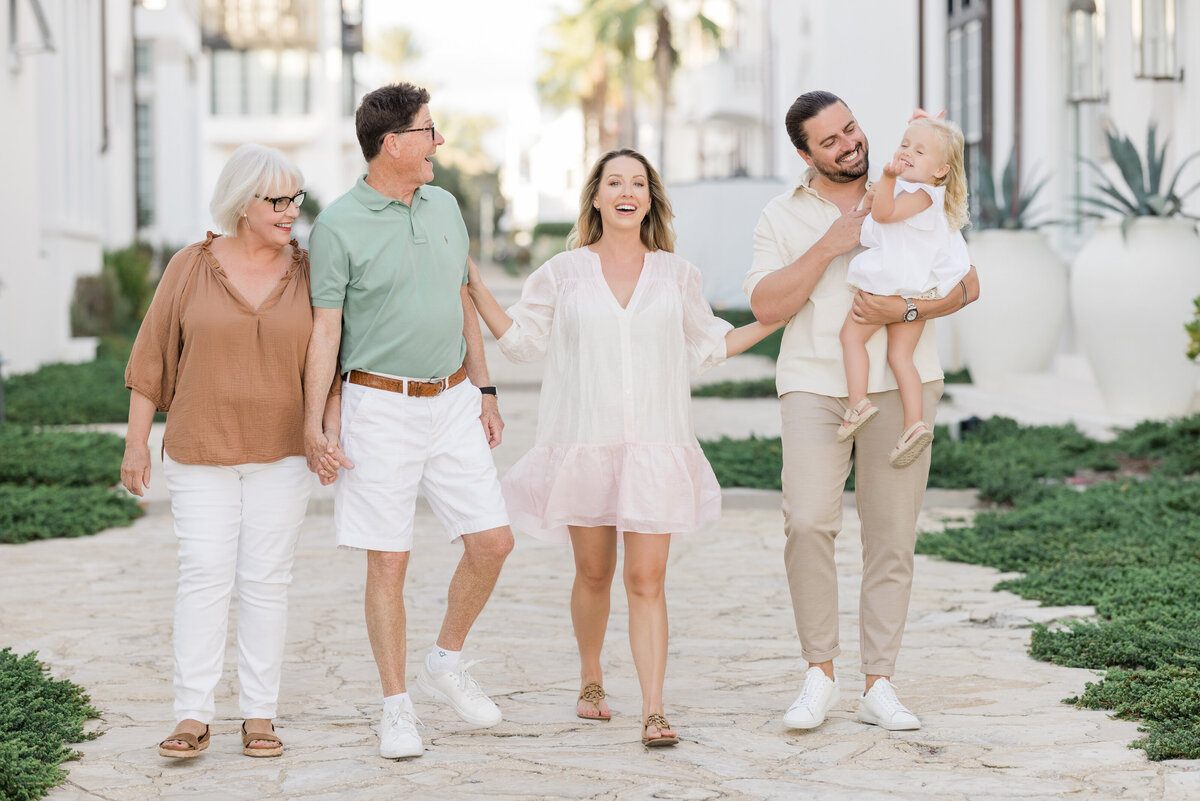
(325, 456)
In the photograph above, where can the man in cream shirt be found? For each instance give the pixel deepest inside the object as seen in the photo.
(803, 244)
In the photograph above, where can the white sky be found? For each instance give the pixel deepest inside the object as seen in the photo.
(477, 56)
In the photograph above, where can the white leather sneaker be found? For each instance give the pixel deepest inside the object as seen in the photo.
(817, 697)
(880, 707)
(457, 688)
(398, 735)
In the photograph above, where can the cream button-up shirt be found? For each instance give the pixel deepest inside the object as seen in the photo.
(810, 358)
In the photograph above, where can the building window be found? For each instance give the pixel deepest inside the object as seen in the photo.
(969, 81)
(260, 82)
(260, 24)
(143, 58)
(1154, 39)
(144, 163)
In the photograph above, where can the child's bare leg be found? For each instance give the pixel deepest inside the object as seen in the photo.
(854, 338)
(902, 342)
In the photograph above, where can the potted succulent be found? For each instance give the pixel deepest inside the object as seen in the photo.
(1018, 269)
(1133, 282)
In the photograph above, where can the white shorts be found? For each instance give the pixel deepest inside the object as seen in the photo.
(400, 444)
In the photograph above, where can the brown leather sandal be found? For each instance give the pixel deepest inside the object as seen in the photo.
(659, 722)
(194, 745)
(593, 693)
(263, 736)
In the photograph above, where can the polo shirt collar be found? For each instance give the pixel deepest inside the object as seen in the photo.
(374, 200)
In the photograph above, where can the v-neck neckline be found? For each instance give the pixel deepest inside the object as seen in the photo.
(227, 279)
(637, 287)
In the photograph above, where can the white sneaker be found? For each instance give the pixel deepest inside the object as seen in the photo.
(817, 697)
(398, 735)
(880, 707)
(462, 692)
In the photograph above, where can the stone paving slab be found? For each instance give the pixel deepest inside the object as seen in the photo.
(994, 727)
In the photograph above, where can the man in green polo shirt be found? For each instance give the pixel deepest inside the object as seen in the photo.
(391, 313)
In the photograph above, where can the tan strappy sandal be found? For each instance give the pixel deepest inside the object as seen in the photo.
(262, 736)
(659, 722)
(855, 418)
(593, 693)
(194, 744)
(912, 443)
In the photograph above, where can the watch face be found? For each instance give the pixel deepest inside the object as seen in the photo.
(910, 315)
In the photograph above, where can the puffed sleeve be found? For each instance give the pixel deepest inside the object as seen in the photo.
(154, 361)
(703, 330)
(925, 220)
(527, 338)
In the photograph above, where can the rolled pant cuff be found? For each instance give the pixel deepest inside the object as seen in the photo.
(821, 656)
(879, 669)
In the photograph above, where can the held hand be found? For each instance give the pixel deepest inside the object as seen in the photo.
(871, 309)
(332, 460)
(493, 426)
(316, 445)
(135, 469)
(842, 236)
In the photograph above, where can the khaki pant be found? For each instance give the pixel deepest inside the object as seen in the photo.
(815, 467)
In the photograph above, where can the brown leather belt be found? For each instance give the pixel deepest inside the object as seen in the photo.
(414, 389)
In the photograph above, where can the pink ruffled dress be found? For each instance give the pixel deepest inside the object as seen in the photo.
(615, 445)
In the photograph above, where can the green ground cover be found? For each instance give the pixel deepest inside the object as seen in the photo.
(58, 484)
(38, 717)
(1111, 524)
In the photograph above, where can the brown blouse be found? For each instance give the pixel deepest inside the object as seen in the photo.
(232, 377)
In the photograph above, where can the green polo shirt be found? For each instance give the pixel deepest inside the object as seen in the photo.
(396, 273)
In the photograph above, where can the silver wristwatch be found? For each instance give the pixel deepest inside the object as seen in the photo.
(910, 313)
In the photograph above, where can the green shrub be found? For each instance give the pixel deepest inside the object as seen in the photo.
(757, 388)
(750, 462)
(39, 513)
(69, 394)
(1168, 697)
(69, 459)
(38, 717)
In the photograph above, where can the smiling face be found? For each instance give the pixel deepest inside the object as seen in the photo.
(413, 150)
(837, 147)
(272, 227)
(623, 197)
(921, 156)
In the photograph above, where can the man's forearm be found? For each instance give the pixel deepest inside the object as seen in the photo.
(475, 360)
(782, 293)
(964, 292)
(320, 365)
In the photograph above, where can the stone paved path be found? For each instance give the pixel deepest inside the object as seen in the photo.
(993, 724)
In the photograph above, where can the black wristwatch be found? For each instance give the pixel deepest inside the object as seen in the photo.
(910, 314)
(488, 391)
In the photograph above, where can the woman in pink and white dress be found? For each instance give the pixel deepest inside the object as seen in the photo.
(623, 325)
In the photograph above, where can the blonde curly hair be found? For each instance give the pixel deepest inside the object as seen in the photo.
(958, 209)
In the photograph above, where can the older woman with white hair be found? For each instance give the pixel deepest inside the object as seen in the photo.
(222, 351)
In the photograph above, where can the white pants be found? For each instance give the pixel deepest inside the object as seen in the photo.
(237, 526)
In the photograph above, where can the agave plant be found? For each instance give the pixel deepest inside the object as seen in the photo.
(1146, 194)
(1008, 208)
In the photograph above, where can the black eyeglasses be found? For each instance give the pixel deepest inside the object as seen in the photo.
(432, 131)
(281, 203)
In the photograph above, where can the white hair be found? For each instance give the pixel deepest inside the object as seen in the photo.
(251, 170)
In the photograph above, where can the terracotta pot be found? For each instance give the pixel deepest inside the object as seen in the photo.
(1016, 324)
(1131, 298)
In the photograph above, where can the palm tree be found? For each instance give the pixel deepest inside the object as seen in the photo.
(578, 72)
(617, 22)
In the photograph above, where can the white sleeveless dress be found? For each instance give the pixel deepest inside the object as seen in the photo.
(919, 256)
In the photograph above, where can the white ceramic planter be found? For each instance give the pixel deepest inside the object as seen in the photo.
(1131, 298)
(1015, 325)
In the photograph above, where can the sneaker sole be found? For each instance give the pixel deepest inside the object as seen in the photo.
(403, 755)
(832, 701)
(429, 689)
(871, 722)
